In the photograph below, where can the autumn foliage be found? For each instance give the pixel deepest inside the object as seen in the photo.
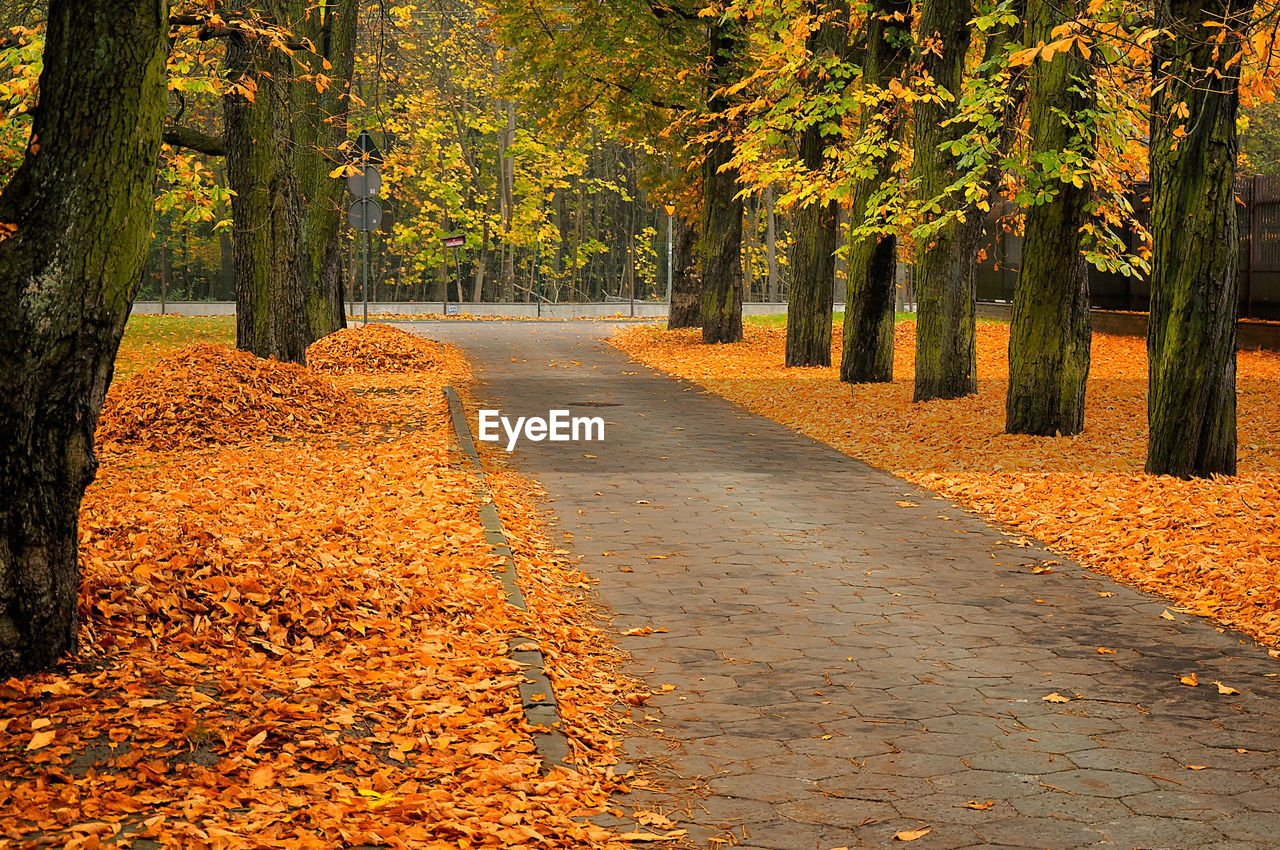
(374, 348)
(300, 640)
(210, 394)
(1211, 546)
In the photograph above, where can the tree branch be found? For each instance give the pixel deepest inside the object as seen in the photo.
(186, 137)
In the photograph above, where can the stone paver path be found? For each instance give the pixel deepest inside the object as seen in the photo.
(852, 656)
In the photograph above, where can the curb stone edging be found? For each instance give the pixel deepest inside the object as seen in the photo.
(537, 697)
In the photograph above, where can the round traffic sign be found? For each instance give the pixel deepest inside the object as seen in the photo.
(365, 214)
(366, 182)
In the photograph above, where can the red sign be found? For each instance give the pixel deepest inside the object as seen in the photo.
(455, 241)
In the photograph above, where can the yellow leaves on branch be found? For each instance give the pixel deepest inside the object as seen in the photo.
(1210, 546)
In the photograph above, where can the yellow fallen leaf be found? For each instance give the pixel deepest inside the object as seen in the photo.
(1056, 697)
(1196, 766)
(41, 739)
(1191, 681)
(912, 834)
(642, 630)
(1226, 690)
(1166, 615)
(974, 804)
(255, 742)
(1041, 570)
(907, 505)
(1105, 593)
(1102, 650)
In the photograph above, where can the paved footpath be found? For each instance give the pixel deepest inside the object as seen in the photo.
(852, 657)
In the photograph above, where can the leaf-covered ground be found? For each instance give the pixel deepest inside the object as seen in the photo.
(1212, 547)
(302, 642)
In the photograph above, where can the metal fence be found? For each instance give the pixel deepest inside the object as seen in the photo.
(1259, 211)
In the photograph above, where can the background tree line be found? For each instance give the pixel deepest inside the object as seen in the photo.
(883, 129)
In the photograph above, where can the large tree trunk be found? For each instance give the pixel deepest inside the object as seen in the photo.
(1050, 335)
(720, 248)
(319, 130)
(815, 228)
(814, 232)
(282, 144)
(1191, 407)
(946, 350)
(686, 286)
(81, 202)
(267, 207)
(867, 353)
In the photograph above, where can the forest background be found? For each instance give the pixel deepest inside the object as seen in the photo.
(557, 194)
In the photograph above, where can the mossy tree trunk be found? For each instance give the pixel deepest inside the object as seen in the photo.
(720, 246)
(867, 353)
(815, 228)
(267, 208)
(1050, 334)
(81, 203)
(282, 138)
(320, 126)
(946, 352)
(686, 287)
(1191, 340)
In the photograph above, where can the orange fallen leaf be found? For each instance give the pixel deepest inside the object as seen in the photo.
(1166, 615)
(1191, 680)
(1056, 697)
(256, 741)
(41, 740)
(1102, 650)
(1196, 766)
(912, 834)
(974, 804)
(1226, 690)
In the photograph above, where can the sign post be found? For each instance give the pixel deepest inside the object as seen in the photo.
(671, 211)
(454, 241)
(364, 182)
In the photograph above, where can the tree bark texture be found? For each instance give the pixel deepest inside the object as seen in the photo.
(266, 209)
(946, 345)
(686, 287)
(320, 126)
(282, 143)
(815, 229)
(867, 351)
(720, 246)
(1050, 334)
(1191, 405)
(81, 202)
